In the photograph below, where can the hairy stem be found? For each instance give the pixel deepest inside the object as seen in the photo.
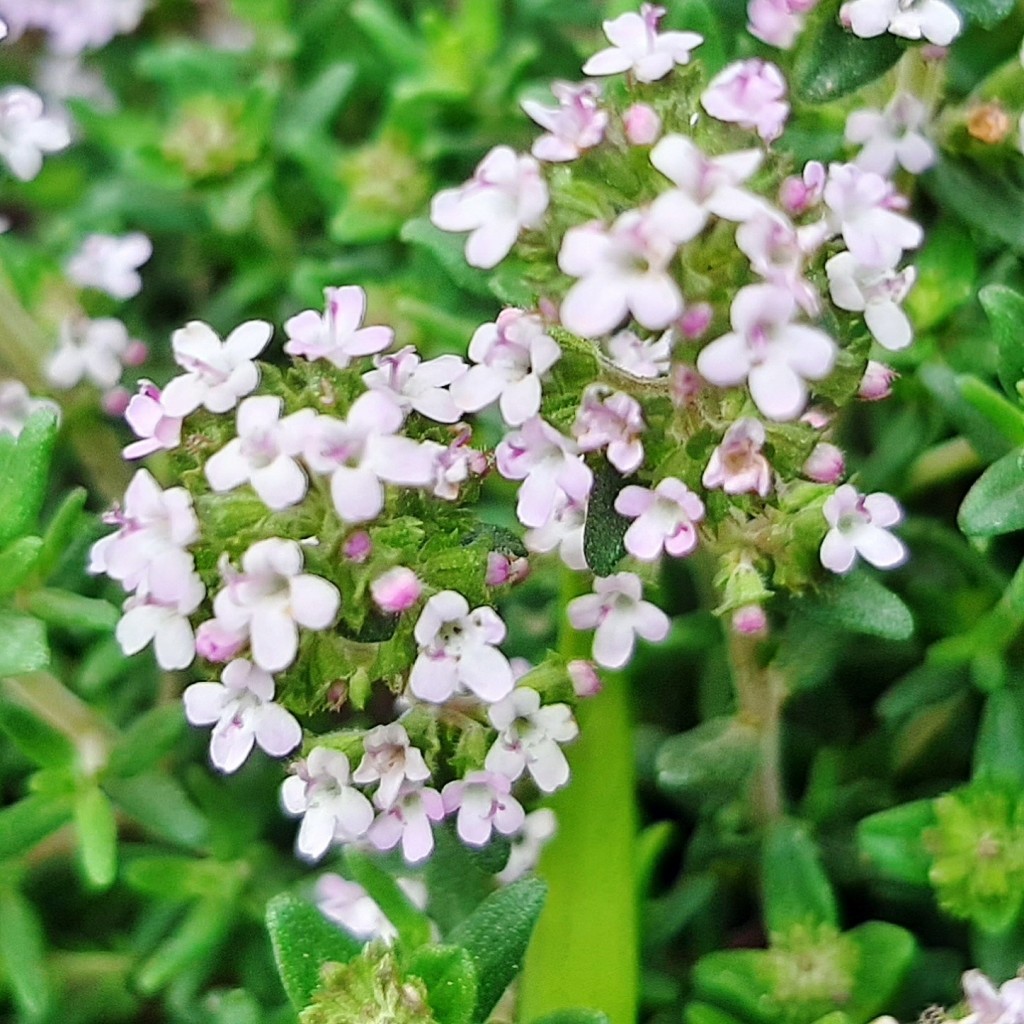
(584, 952)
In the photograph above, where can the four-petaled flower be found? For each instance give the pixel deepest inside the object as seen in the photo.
(875, 293)
(484, 801)
(389, 760)
(737, 465)
(422, 385)
(337, 334)
(576, 124)
(407, 820)
(639, 47)
(750, 93)
(111, 264)
(859, 526)
(663, 518)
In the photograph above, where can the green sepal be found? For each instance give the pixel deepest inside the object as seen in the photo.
(303, 941)
(97, 837)
(450, 978)
(858, 603)
(892, 842)
(995, 503)
(796, 890)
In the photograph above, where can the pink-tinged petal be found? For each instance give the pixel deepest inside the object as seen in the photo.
(473, 827)
(537, 496)
(228, 468)
(509, 816)
(521, 400)
(280, 484)
(354, 813)
(553, 150)
(375, 412)
(314, 601)
(879, 547)
(315, 833)
(610, 61)
(204, 702)
(585, 612)
(678, 216)
(883, 509)
(433, 679)
(357, 494)
(916, 153)
(369, 341)
(487, 673)
(551, 770)
(248, 340)
(417, 839)
(488, 245)
(626, 456)
(386, 831)
(812, 353)
(438, 405)
(837, 553)
(682, 542)
(505, 760)
(644, 540)
(277, 731)
(137, 627)
(594, 305)
(654, 300)
(346, 307)
(140, 449)
(447, 606)
(583, 248)
(653, 66)
(274, 639)
(613, 641)
(777, 391)
(576, 478)
(650, 622)
(726, 361)
(230, 744)
(889, 325)
(633, 501)
(477, 388)
(401, 460)
(183, 395)
(450, 212)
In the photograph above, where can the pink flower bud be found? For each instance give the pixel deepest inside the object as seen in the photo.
(115, 401)
(685, 385)
(750, 620)
(643, 126)
(357, 546)
(932, 51)
(396, 590)
(585, 680)
(825, 465)
(216, 643)
(696, 320)
(816, 417)
(501, 569)
(876, 383)
(135, 354)
(798, 195)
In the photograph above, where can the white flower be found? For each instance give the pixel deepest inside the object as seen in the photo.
(149, 420)
(337, 334)
(750, 93)
(271, 598)
(218, 373)
(351, 907)
(576, 124)
(391, 760)
(933, 20)
(563, 530)
(859, 527)
(242, 712)
(664, 518)
(528, 739)
(89, 350)
(505, 194)
(892, 137)
(111, 264)
(331, 809)
(637, 46)
(26, 133)
(484, 803)
(407, 820)
(989, 1005)
(538, 829)
(458, 651)
(642, 358)
(875, 293)
(422, 385)
(264, 453)
(774, 355)
(17, 405)
(617, 612)
(614, 422)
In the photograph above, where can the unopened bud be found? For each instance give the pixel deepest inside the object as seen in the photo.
(825, 465)
(396, 590)
(502, 569)
(115, 401)
(585, 680)
(358, 546)
(216, 643)
(750, 620)
(876, 383)
(643, 126)
(135, 354)
(696, 319)
(989, 123)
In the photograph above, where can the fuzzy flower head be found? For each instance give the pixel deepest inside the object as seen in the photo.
(242, 711)
(416, 384)
(663, 519)
(506, 194)
(27, 133)
(618, 614)
(111, 264)
(458, 651)
(485, 803)
(737, 465)
(576, 124)
(337, 334)
(859, 526)
(892, 137)
(638, 46)
(750, 93)
(933, 20)
(614, 422)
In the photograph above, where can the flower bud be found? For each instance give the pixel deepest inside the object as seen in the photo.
(115, 401)
(502, 569)
(825, 465)
(216, 643)
(989, 123)
(695, 320)
(685, 385)
(585, 680)
(643, 126)
(396, 590)
(135, 354)
(876, 383)
(750, 620)
(357, 546)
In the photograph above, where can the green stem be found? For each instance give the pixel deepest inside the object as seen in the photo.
(584, 952)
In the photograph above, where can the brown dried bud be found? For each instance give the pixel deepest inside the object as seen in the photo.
(989, 123)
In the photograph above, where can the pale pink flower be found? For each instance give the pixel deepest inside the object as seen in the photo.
(485, 803)
(663, 519)
(778, 22)
(618, 614)
(876, 384)
(417, 384)
(774, 355)
(777, 252)
(242, 711)
(750, 93)
(511, 355)
(455, 464)
(638, 46)
(149, 420)
(407, 820)
(989, 1005)
(506, 194)
(825, 465)
(539, 827)
(91, 350)
(74, 25)
(798, 195)
(576, 124)
(875, 293)
(337, 334)
(111, 263)
(332, 810)
(614, 422)
(563, 530)
(892, 137)
(217, 373)
(216, 643)
(503, 569)
(270, 598)
(264, 453)
(396, 590)
(549, 465)
(27, 133)
(528, 739)
(622, 269)
(934, 20)
(390, 760)
(859, 527)
(646, 358)
(864, 209)
(737, 465)
(642, 124)
(458, 651)
(365, 451)
(17, 405)
(352, 908)
(704, 186)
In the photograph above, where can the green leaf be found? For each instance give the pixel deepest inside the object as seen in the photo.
(24, 475)
(860, 604)
(97, 837)
(312, 109)
(25, 823)
(573, 1017)
(832, 62)
(1007, 417)
(947, 268)
(447, 249)
(736, 981)
(161, 806)
(604, 530)
(39, 741)
(999, 747)
(987, 201)
(796, 889)
(412, 925)
(22, 952)
(987, 13)
(150, 737)
(17, 561)
(73, 612)
(1005, 310)
(303, 941)
(63, 527)
(24, 648)
(944, 386)
(885, 955)
(457, 883)
(891, 841)
(450, 977)
(995, 503)
(496, 935)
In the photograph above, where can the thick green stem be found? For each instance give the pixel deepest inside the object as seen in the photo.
(760, 695)
(584, 952)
